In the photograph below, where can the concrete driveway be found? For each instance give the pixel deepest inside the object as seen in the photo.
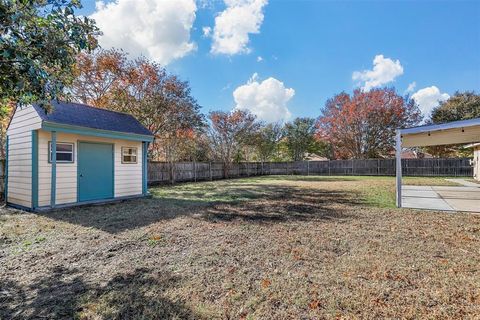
(462, 198)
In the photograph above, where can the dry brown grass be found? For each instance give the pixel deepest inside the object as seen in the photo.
(263, 248)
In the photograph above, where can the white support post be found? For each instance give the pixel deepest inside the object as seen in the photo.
(398, 160)
(53, 182)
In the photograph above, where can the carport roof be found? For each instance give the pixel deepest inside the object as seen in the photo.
(456, 132)
(442, 126)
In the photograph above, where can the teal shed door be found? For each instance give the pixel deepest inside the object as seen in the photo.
(95, 171)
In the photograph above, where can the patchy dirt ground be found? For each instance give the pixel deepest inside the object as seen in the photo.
(259, 248)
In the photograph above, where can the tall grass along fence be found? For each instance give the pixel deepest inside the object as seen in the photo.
(162, 172)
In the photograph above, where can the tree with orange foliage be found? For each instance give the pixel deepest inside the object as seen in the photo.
(363, 125)
(229, 132)
(144, 89)
(97, 76)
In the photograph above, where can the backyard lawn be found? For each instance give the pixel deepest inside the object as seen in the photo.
(278, 247)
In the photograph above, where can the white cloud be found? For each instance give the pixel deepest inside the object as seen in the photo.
(411, 87)
(384, 70)
(259, 59)
(206, 4)
(266, 99)
(206, 31)
(428, 98)
(234, 24)
(159, 30)
(227, 86)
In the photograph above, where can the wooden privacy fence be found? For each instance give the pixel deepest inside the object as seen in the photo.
(162, 172)
(2, 179)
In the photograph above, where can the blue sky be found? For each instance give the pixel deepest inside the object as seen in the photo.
(309, 49)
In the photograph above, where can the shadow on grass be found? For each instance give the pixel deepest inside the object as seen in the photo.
(286, 204)
(308, 178)
(247, 201)
(65, 294)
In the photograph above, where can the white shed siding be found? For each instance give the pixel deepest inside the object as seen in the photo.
(19, 134)
(128, 177)
(66, 189)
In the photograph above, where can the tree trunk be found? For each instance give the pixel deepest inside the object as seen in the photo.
(225, 170)
(172, 172)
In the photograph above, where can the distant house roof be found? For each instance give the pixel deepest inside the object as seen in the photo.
(412, 154)
(315, 157)
(81, 115)
(473, 145)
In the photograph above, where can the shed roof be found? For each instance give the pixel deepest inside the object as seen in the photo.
(81, 115)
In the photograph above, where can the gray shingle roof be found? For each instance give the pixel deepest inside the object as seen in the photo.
(81, 115)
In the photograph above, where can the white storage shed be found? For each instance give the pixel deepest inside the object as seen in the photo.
(76, 154)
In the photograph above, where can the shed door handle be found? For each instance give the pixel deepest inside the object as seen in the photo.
(81, 175)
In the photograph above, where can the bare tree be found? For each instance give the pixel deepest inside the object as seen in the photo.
(228, 133)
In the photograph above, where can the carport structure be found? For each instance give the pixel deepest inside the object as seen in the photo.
(466, 198)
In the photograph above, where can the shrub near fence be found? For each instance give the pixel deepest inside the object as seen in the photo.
(159, 172)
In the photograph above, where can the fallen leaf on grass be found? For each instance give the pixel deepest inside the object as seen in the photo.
(474, 298)
(266, 283)
(297, 254)
(231, 292)
(379, 301)
(314, 304)
(156, 238)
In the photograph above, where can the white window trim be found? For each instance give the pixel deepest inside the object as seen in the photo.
(61, 161)
(135, 155)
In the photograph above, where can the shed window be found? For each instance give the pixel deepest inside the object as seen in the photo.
(129, 155)
(64, 152)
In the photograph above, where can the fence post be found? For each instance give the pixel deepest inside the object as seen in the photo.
(308, 168)
(194, 171)
(329, 162)
(210, 170)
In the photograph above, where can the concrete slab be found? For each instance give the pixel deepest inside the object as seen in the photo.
(420, 193)
(426, 203)
(459, 195)
(450, 188)
(464, 205)
(465, 183)
(461, 198)
(406, 187)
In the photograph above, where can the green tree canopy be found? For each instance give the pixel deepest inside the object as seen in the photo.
(38, 44)
(266, 141)
(300, 137)
(461, 106)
